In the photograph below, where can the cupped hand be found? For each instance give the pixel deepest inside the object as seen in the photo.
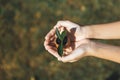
(83, 48)
(50, 44)
(76, 32)
(76, 39)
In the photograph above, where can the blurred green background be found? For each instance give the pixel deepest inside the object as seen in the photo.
(23, 26)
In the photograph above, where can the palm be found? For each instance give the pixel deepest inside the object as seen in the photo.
(68, 48)
(71, 47)
(74, 34)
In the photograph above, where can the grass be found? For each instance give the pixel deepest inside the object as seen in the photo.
(23, 26)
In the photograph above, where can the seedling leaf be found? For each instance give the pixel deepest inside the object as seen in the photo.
(58, 33)
(61, 41)
(64, 33)
(60, 49)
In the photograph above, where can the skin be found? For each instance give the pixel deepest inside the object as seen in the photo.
(80, 45)
(103, 31)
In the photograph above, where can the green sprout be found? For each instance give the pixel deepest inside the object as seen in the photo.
(61, 41)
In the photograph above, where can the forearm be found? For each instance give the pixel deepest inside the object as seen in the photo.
(103, 31)
(106, 52)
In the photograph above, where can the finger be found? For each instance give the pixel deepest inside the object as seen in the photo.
(52, 39)
(50, 34)
(67, 50)
(77, 53)
(67, 24)
(51, 49)
(73, 61)
(48, 44)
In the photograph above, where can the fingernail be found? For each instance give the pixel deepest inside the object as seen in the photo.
(59, 59)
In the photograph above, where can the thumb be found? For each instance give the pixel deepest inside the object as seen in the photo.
(75, 55)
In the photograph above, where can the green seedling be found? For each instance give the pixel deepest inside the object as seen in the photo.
(61, 41)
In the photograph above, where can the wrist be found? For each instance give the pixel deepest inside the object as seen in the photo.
(87, 32)
(94, 48)
(91, 48)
